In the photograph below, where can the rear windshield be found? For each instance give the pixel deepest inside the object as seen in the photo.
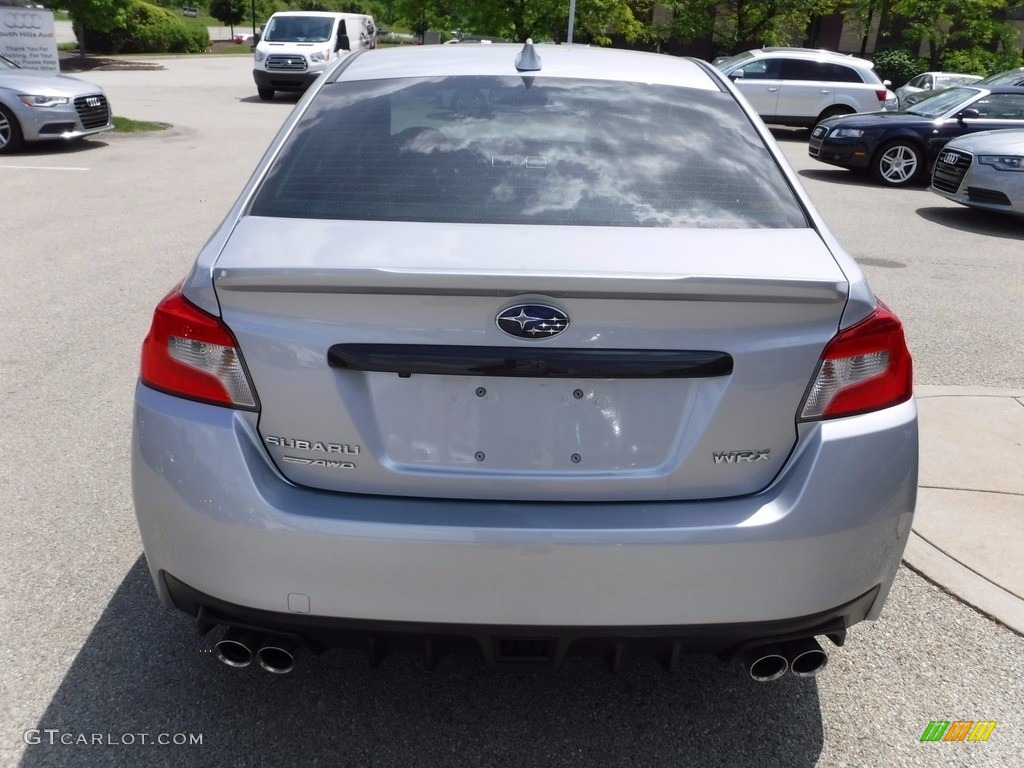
(524, 150)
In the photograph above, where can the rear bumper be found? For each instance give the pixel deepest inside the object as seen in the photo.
(516, 646)
(215, 514)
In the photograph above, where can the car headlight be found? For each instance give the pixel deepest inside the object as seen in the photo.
(1003, 162)
(319, 56)
(43, 101)
(847, 133)
(259, 56)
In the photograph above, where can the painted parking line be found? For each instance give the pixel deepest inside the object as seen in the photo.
(43, 168)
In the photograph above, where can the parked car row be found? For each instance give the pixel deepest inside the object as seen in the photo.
(898, 137)
(965, 139)
(899, 148)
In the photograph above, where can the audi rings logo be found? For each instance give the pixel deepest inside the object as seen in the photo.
(949, 158)
(23, 21)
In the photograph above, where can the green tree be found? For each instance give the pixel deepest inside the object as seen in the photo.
(547, 19)
(100, 15)
(738, 25)
(945, 26)
(229, 12)
(421, 15)
(595, 19)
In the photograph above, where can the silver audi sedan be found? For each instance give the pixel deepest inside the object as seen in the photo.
(579, 370)
(40, 106)
(983, 170)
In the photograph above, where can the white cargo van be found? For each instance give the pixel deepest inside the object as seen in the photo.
(296, 46)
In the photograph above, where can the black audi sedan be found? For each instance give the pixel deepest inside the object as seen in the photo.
(899, 148)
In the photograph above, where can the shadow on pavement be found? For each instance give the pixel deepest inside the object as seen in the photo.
(784, 133)
(844, 176)
(287, 97)
(143, 670)
(975, 220)
(58, 147)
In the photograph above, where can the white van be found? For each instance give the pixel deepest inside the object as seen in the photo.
(296, 46)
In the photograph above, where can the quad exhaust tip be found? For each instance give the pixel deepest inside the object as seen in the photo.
(803, 657)
(765, 663)
(274, 653)
(806, 658)
(277, 655)
(236, 647)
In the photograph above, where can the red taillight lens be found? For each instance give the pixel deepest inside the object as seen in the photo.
(882, 95)
(865, 368)
(192, 354)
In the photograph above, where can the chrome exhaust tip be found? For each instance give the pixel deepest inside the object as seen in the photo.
(806, 657)
(277, 654)
(764, 663)
(235, 648)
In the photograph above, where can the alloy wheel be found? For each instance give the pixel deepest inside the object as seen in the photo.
(5, 130)
(897, 164)
(11, 138)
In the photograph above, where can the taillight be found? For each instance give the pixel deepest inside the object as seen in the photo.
(882, 95)
(865, 368)
(192, 354)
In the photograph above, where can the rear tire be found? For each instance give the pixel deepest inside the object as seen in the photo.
(11, 137)
(897, 164)
(267, 94)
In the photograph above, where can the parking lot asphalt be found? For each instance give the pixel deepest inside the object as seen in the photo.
(93, 235)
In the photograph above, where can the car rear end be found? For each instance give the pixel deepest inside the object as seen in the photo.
(860, 88)
(554, 378)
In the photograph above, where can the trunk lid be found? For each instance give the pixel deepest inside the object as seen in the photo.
(380, 367)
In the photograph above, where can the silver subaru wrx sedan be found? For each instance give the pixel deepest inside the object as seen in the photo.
(533, 350)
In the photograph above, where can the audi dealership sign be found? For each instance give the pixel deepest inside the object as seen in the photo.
(27, 39)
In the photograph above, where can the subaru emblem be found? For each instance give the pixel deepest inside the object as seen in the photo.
(532, 321)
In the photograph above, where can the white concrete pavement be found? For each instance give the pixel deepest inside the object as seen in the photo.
(968, 533)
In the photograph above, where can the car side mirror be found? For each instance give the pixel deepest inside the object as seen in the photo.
(736, 75)
(970, 112)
